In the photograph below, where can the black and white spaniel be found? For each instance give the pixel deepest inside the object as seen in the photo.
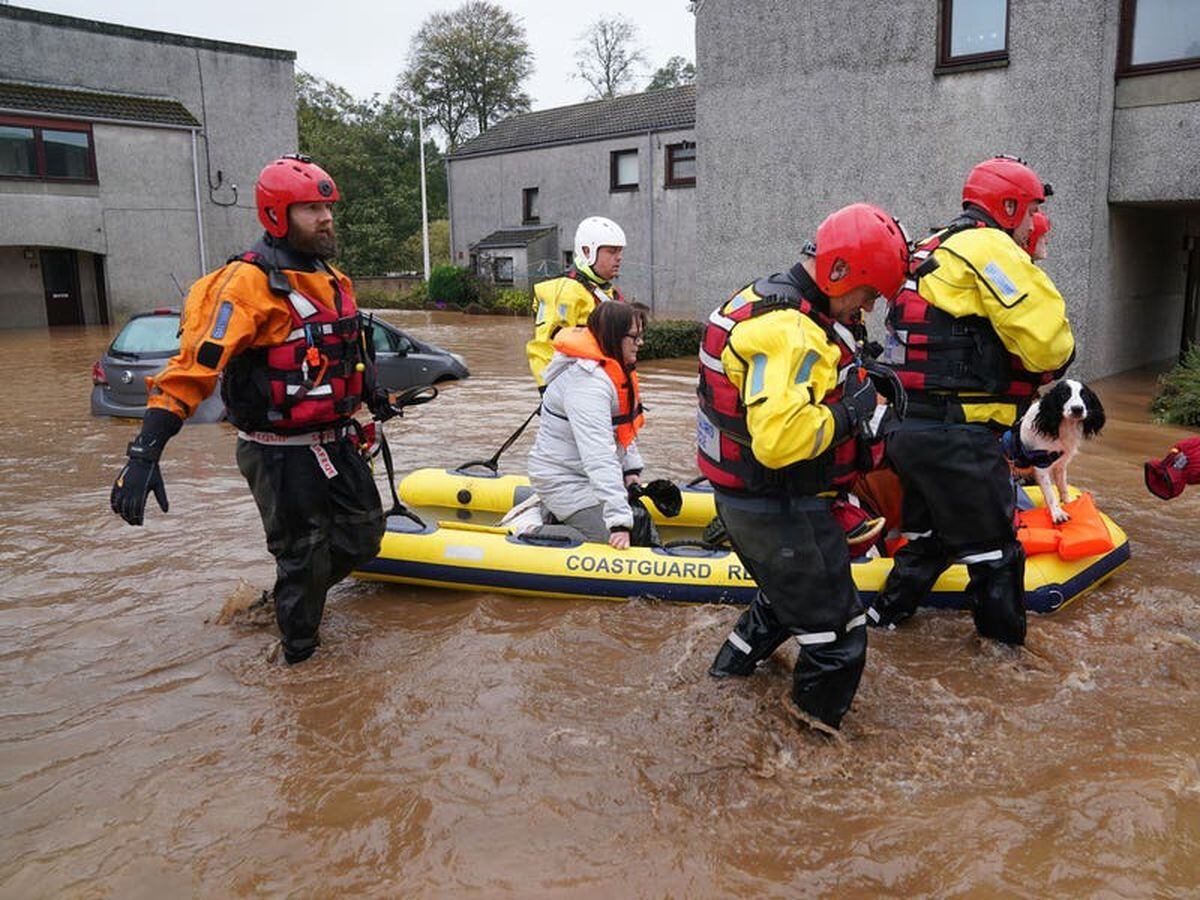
(1051, 431)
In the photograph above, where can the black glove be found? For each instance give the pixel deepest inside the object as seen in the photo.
(665, 495)
(887, 383)
(141, 475)
(379, 402)
(853, 413)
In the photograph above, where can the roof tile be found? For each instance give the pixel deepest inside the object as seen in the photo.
(85, 104)
(660, 110)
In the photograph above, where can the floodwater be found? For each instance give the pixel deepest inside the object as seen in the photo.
(457, 744)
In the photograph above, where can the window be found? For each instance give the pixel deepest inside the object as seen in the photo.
(974, 33)
(502, 267)
(529, 206)
(623, 171)
(681, 165)
(46, 150)
(18, 151)
(1158, 36)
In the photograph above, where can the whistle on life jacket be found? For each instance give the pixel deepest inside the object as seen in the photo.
(313, 359)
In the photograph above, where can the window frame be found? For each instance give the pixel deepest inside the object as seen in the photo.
(526, 218)
(39, 149)
(613, 186)
(669, 179)
(512, 274)
(1125, 64)
(988, 60)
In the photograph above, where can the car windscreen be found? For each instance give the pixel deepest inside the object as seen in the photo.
(148, 334)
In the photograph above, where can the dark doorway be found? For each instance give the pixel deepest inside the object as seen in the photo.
(101, 290)
(1191, 298)
(60, 278)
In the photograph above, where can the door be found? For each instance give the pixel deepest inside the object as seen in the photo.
(1191, 298)
(60, 278)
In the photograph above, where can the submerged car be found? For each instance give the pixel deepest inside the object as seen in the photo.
(149, 339)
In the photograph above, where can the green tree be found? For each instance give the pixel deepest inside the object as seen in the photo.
(675, 72)
(412, 251)
(466, 67)
(608, 56)
(371, 149)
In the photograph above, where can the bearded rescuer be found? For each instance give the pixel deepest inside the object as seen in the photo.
(973, 334)
(281, 323)
(567, 301)
(785, 414)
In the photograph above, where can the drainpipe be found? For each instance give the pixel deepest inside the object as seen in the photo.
(650, 157)
(199, 216)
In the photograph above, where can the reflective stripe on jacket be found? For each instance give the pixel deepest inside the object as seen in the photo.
(770, 363)
(233, 322)
(978, 329)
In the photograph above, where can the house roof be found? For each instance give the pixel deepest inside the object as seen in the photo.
(661, 110)
(37, 16)
(512, 237)
(54, 100)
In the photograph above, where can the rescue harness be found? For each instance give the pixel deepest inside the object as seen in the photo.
(939, 357)
(312, 379)
(724, 451)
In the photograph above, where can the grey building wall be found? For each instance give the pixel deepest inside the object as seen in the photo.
(843, 105)
(573, 183)
(142, 214)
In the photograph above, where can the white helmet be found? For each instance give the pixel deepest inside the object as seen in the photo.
(593, 233)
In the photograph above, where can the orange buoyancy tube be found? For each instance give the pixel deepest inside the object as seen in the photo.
(580, 343)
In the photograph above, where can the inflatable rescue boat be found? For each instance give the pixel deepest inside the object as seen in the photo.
(466, 550)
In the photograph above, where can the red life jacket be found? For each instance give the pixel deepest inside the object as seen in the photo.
(580, 343)
(311, 380)
(735, 467)
(938, 356)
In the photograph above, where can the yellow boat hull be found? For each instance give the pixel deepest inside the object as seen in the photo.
(466, 556)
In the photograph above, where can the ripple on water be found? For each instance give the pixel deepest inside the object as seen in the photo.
(448, 743)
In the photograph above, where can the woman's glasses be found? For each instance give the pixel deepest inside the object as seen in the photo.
(636, 337)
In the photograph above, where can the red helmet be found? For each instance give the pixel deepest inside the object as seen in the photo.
(1003, 178)
(293, 178)
(870, 242)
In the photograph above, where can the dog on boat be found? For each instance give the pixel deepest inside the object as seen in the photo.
(1066, 414)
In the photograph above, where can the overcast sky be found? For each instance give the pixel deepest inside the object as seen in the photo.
(363, 45)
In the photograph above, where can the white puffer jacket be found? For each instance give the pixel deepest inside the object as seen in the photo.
(576, 461)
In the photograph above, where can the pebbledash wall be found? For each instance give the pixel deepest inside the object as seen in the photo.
(842, 103)
(558, 152)
(161, 181)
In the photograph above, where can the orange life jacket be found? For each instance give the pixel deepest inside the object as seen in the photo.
(1084, 534)
(580, 343)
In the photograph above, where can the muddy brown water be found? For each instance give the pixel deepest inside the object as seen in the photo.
(451, 744)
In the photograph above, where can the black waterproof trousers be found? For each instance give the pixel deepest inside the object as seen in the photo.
(798, 556)
(959, 504)
(322, 515)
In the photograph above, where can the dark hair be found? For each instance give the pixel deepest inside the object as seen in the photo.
(1052, 406)
(611, 321)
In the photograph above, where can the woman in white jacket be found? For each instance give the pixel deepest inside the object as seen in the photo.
(585, 456)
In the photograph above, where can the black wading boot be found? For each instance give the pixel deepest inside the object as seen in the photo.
(756, 636)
